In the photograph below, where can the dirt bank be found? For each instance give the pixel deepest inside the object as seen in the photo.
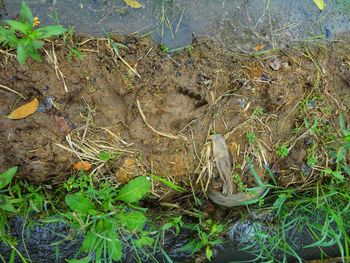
(157, 117)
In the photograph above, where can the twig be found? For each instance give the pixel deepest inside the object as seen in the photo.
(164, 134)
(9, 89)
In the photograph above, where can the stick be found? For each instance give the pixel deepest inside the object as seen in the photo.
(164, 134)
(7, 88)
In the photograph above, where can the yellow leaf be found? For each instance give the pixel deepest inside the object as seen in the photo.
(320, 4)
(133, 3)
(25, 110)
(82, 165)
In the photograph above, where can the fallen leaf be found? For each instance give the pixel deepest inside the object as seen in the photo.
(133, 3)
(320, 4)
(82, 165)
(259, 47)
(65, 126)
(25, 110)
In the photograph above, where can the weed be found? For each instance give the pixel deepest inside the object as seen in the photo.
(282, 150)
(23, 36)
(251, 137)
(103, 213)
(73, 50)
(238, 181)
(258, 111)
(165, 49)
(208, 234)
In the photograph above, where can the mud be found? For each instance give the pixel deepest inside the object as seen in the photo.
(186, 95)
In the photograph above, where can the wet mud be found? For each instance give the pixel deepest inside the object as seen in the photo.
(159, 120)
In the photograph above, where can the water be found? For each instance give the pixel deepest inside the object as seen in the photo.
(239, 24)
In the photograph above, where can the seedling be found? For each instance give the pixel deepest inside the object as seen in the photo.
(282, 150)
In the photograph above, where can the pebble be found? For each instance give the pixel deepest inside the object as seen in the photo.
(275, 64)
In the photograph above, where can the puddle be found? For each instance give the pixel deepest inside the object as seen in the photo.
(240, 25)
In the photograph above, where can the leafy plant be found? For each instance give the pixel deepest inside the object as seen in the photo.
(24, 37)
(98, 212)
(282, 150)
(251, 137)
(208, 234)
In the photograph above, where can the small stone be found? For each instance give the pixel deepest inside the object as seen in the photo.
(275, 64)
(306, 169)
(265, 77)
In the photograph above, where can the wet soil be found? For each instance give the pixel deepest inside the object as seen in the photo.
(98, 102)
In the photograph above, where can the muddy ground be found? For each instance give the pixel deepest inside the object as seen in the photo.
(185, 96)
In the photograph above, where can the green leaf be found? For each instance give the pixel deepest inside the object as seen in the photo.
(320, 4)
(23, 28)
(5, 204)
(90, 242)
(168, 183)
(50, 31)
(7, 176)
(34, 54)
(208, 252)
(114, 247)
(78, 202)
(25, 15)
(134, 190)
(21, 54)
(346, 169)
(134, 220)
(81, 260)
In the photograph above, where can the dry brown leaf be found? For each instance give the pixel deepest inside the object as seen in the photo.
(133, 3)
(82, 165)
(25, 110)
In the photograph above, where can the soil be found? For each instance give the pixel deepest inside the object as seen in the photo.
(184, 96)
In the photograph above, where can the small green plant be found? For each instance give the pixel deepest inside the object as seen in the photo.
(107, 215)
(208, 234)
(311, 159)
(24, 37)
(282, 150)
(251, 137)
(165, 48)
(73, 50)
(238, 181)
(258, 111)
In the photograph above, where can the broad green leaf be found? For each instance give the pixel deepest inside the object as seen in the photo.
(90, 242)
(320, 4)
(78, 202)
(5, 204)
(23, 28)
(7, 176)
(134, 190)
(50, 31)
(37, 44)
(208, 252)
(133, 220)
(25, 14)
(114, 246)
(21, 54)
(34, 54)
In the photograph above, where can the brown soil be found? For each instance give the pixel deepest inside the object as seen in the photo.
(187, 95)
